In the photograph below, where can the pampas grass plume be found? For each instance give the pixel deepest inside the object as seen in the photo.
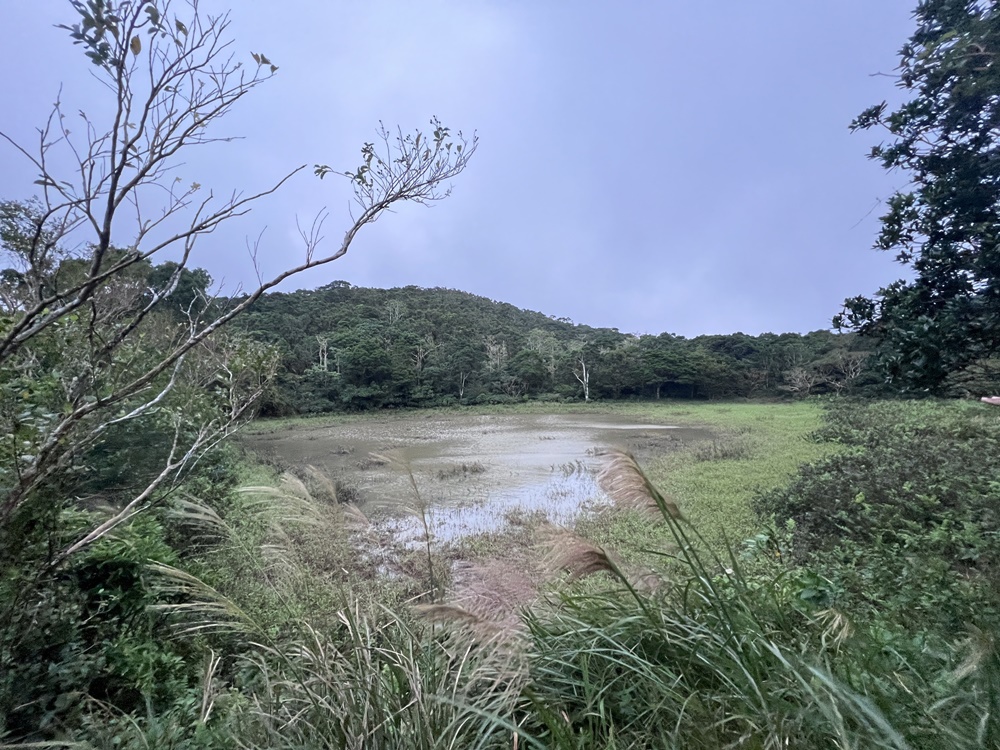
(626, 484)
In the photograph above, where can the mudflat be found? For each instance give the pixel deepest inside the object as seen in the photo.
(469, 472)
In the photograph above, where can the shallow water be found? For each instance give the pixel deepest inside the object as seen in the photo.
(514, 465)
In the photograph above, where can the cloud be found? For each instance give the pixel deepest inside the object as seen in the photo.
(646, 166)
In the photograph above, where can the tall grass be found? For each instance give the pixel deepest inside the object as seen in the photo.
(392, 683)
(703, 663)
(706, 659)
(703, 654)
(319, 662)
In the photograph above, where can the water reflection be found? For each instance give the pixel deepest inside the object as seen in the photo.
(560, 500)
(525, 464)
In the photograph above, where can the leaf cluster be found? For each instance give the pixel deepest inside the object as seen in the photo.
(903, 522)
(943, 227)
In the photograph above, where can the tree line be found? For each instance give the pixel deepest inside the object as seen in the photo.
(347, 348)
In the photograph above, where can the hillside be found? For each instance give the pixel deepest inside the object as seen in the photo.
(346, 347)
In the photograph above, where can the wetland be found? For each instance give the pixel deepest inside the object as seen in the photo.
(469, 473)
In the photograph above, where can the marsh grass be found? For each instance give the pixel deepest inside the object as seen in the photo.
(463, 469)
(322, 664)
(390, 683)
(757, 447)
(421, 508)
(728, 448)
(713, 658)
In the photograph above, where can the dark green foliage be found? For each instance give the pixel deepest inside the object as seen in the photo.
(945, 315)
(351, 348)
(905, 522)
(76, 633)
(528, 367)
(84, 633)
(81, 652)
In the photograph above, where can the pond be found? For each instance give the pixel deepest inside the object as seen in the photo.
(470, 473)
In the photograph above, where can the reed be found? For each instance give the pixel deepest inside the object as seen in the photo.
(713, 659)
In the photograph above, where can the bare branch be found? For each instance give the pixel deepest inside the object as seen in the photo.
(128, 351)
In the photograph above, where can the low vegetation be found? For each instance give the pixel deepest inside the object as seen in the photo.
(757, 447)
(264, 624)
(461, 470)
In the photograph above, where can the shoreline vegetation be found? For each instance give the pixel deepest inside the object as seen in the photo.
(648, 624)
(657, 621)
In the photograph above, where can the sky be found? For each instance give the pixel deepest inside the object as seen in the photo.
(651, 166)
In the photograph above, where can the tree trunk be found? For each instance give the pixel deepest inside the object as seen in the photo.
(583, 375)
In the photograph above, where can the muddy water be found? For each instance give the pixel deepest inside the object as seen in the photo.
(472, 474)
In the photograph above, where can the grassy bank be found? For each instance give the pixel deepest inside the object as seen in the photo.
(874, 626)
(758, 447)
(703, 657)
(755, 447)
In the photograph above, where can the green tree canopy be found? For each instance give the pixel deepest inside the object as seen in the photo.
(944, 226)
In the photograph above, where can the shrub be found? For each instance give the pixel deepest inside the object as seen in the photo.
(905, 521)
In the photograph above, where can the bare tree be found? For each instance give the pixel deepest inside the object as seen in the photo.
(394, 310)
(756, 379)
(845, 368)
(800, 381)
(580, 369)
(582, 374)
(496, 353)
(851, 365)
(324, 343)
(424, 349)
(77, 258)
(512, 385)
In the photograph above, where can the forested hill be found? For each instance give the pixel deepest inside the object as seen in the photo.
(346, 347)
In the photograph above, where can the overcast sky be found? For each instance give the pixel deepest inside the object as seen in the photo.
(650, 166)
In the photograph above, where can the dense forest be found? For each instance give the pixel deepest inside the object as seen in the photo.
(344, 347)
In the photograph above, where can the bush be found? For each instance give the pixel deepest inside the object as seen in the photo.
(85, 633)
(906, 519)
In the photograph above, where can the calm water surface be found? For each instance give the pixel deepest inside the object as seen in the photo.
(513, 464)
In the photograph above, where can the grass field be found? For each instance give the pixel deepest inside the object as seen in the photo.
(595, 648)
(759, 446)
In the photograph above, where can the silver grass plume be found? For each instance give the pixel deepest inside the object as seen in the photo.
(576, 556)
(448, 613)
(626, 484)
(198, 607)
(321, 486)
(201, 523)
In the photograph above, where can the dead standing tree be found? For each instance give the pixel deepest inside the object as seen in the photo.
(323, 342)
(168, 79)
(582, 374)
(581, 371)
